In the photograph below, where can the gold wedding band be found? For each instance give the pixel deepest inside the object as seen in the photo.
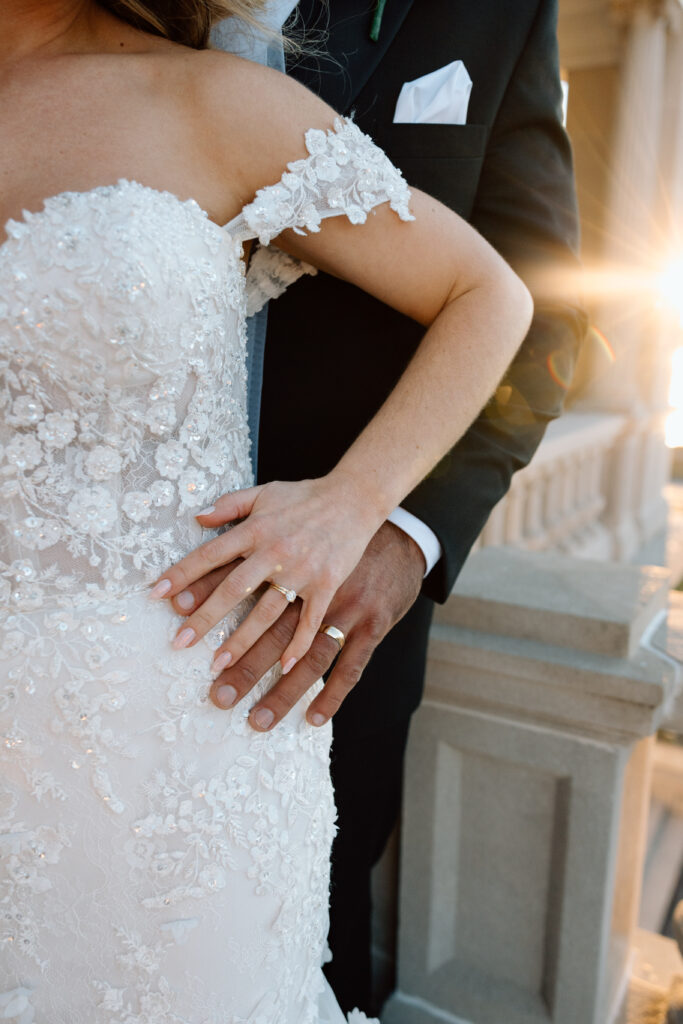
(289, 594)
(335, 633)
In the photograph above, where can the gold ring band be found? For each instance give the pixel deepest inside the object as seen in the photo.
(335, 633)
(289, 594)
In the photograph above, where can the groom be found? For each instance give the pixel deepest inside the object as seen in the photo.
(333, 353)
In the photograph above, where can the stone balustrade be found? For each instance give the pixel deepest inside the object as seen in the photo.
(561, 499)
(527, 789)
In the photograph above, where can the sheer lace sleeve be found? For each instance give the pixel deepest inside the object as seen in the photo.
(344, 173)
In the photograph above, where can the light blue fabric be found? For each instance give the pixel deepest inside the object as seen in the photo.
(235, 36)
(256, 348)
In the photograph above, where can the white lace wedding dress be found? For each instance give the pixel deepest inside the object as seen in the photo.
(160, 862)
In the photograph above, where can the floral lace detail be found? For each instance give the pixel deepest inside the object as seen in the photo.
(344, 174)
(115, 436)
(271, 272)
(148, 840)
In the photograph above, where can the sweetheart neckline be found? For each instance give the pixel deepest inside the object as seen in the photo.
(28, 215)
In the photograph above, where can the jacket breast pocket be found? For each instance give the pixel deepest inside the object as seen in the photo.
(443, 160)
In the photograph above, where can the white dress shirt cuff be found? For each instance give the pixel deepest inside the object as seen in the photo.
(426, 539)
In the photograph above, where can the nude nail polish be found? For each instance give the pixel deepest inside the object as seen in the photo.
(161, 590)
(221, 662)
(206, 511)
(289, 666)
(183, 639)
(317, 719)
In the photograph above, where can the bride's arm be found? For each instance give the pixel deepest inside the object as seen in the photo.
(308, 536)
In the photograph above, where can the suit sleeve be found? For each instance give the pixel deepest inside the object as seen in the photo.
(526, 207)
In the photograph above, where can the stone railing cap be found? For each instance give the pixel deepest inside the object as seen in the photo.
(598, 607)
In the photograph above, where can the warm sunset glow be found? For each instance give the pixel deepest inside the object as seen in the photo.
(670, 287)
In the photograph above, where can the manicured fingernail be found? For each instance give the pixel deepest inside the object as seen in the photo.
(184, 638)
(226, 695)
(263, 717)
(185, 600)
(207, 511)
(288, 666)
(317, 719)
(161, 590)
(221, 662)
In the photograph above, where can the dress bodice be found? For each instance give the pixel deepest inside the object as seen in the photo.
(122, 365)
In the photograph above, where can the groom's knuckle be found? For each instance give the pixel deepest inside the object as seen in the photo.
(282, 631)
(245, 676)
(374, 628)
(282, 700)
(317, 659)
(333, 700)
(349, 675)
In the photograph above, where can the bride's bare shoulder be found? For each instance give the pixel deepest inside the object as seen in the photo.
(241, 106)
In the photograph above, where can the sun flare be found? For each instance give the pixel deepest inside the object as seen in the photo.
(669, 284)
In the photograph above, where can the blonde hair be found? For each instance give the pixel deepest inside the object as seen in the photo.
(184, 21)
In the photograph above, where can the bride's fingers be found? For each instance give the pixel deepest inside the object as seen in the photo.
(196, 594)
(311, 620)
(259, 620)
(229, 507)
(213, 553)
(242, 583)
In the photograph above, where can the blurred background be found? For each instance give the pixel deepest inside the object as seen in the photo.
(540, 864)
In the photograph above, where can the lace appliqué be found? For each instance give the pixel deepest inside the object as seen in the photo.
(117, 430)
(344, 174)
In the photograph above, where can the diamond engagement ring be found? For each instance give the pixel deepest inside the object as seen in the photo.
(289, 594)
(335, 633)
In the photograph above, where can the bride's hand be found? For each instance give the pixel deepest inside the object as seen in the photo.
(306, 537)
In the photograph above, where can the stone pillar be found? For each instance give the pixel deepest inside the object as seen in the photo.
(636, 383)
(525, 807)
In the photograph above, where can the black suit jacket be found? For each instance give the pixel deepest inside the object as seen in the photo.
(509, 172)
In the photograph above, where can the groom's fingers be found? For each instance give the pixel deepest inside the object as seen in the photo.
(235, 683)
(290, 688)
(346, 674)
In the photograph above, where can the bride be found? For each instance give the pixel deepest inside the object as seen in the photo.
(162, 860)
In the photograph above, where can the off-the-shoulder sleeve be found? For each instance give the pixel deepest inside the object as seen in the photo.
(345, 173)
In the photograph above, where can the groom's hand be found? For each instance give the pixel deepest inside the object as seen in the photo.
(378, 593)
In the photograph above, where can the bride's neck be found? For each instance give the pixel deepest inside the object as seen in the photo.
(35, 26)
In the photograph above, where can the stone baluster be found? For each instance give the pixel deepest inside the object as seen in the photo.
(526, 785)
(514, 511)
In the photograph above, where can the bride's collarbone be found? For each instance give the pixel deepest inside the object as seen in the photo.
(97, 132)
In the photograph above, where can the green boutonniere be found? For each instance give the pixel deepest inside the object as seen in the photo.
(377, 20)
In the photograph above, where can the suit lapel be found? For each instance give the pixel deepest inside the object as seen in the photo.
(353, 56)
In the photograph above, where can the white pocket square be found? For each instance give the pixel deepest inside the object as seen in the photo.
(441, 97)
